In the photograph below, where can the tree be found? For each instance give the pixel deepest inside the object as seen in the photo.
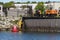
(18, 2)
(1, 3)
(34, 2)
(40, 6)
(9, 4)
(23, 6)
(28, 2)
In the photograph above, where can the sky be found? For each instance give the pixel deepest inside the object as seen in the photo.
(25, 0)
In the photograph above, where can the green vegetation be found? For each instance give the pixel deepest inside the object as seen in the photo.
(34, 2)
(40, 6)
(8, 4)
(14, 22)
(1, 3)
(17, 2)
(24, 6)
(11, 3)
(28, 2)
(20, 15)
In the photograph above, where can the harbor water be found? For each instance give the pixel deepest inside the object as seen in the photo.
(29, 36)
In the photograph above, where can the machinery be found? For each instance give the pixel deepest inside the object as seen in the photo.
(48, 13)
(51, 12)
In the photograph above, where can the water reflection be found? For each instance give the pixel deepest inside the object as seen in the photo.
(29, 36)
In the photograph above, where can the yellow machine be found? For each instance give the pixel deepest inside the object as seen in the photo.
(20, 23)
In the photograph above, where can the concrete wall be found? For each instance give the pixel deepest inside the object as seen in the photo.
(1, 10)
(15, 12)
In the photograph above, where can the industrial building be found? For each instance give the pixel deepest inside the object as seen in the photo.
(24, 12)
(16, 12)
(54, 5)
(1, 10)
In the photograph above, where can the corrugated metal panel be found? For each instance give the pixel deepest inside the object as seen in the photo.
(42, 22)
(53, 22)
(57, 23)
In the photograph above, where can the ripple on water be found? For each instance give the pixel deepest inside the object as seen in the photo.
(29, 36)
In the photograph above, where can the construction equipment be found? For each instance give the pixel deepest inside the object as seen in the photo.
(20, 23)
(51, 12)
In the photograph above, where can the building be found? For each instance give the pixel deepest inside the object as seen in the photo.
(53, 5)
(33, 5)
(1, 11)
(12, 12)
(19, 11)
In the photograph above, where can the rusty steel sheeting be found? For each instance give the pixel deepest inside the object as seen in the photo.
(42, 22)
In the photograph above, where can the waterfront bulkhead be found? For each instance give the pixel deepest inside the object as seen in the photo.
(41, 24)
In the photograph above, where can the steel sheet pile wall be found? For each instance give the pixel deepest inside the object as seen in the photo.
(42, 22)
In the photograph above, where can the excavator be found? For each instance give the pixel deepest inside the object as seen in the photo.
(51, 12)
